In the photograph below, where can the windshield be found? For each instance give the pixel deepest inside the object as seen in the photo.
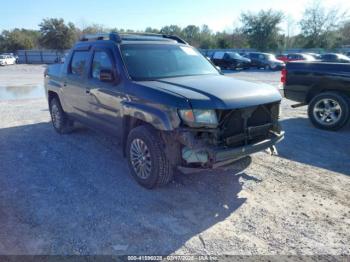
(271, 57)
(235, 55)
(309, 57)
(343, 57)
(154, 61)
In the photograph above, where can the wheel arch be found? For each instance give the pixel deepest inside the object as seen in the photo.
(316, 90)
(51, 95)
(163, 119)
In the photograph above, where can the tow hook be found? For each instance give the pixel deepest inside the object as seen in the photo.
(272, 150)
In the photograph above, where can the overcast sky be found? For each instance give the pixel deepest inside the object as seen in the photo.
(136, 14)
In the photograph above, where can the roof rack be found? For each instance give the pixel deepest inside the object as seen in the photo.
(118, 37)
(101, 36)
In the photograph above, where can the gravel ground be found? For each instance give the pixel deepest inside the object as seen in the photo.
(73, 194)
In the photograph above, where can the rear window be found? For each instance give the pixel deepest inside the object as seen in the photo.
(79, 62)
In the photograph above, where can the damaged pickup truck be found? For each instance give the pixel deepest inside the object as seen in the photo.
(169, 105)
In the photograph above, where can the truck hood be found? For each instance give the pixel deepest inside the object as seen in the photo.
(217, 91)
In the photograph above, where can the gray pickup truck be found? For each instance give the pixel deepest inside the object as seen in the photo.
(167, 103)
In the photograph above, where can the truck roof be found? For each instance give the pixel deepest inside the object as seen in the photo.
(132, 38)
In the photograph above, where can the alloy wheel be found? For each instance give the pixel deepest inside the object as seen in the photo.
(56, 116)
(140, 158)
(327, 111)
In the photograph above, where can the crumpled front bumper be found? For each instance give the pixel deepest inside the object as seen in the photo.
(220, 156)
(213, 157)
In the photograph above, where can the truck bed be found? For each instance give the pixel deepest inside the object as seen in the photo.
(304, 79)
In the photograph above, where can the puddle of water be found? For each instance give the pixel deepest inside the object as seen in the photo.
(21, 92)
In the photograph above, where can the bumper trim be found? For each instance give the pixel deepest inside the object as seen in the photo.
(226, 155)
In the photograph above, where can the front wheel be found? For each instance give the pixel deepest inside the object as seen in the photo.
(329, 111)
(60, 121)
(147, 162)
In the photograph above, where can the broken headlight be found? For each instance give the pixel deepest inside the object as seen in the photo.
(199, 117)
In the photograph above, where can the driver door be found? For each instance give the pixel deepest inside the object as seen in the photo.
(105, 96)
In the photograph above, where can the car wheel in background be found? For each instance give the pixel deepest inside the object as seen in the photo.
(329, 110)
(147, 162)
(60, 121)
(233, 67)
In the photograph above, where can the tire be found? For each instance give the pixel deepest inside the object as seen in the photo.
(329, 111)
(157, 169)
(60, 121)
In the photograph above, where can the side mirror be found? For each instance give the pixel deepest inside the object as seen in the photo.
(106, 75)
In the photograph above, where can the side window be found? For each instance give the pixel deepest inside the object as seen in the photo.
(78, 63)
(328, 57)
(101, 61)
(261, 57)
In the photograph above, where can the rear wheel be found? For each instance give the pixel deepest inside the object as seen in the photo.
(329, 110)
(60, 121)
(147, 162)
(267, 67)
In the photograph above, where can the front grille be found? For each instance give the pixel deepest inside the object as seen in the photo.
(240, 127)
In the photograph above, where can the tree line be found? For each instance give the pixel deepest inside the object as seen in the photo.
(319, 28)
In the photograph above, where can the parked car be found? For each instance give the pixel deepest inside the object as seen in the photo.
(12, 55)
(230, 60)
(324, 87)
(335, 58)
(7, 60)
(315, 55)
(170, 107)
(295, 57)
(266, 61)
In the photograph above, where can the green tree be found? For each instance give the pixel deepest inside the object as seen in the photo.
(319, 25)
(94, 29)
(18, 39)
(239, 39)
(171, 30)
(344, 33)
(262, 29)
(191, 34)
(223, 40)
(152, 30)
(206, 38)
(55, 34)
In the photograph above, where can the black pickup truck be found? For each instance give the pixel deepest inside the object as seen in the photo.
(324, 87)
(167, 103)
